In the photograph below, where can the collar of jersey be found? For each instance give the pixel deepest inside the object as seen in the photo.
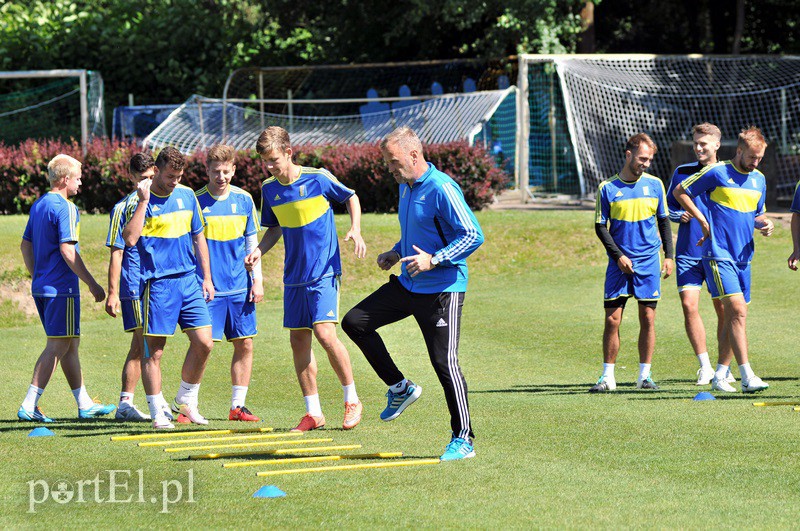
(302, 170)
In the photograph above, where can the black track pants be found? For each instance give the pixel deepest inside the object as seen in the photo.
(439, 318)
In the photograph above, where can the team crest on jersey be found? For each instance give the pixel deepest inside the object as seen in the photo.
(755, 184)
(302, 190)
(180, 203)
(646, 190)
(233, 208)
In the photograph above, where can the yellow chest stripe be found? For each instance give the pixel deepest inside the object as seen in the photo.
(740, 199)
(171, 225)
(634, 209)
(302, 212)
(225, 228)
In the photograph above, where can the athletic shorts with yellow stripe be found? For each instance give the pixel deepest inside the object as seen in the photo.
(131, 314)
(61, 316)
(725, 278)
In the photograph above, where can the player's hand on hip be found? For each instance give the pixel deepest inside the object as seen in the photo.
(417, 263)
(388, 259)
(625, 265)
(669, 266)
(793, 259)
(97, 292)
(251, 259)
(112, 305)
(143, 189)
(257, 292)
(360, 249)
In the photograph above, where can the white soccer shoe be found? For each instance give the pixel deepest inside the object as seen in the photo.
(754, 385)
(730, 378)
(704, 377)
(188, 413)
(162, 423)
(718, 384)
(131, 414)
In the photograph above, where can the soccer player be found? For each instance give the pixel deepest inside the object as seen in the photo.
(51, 255)
(736, 191)
(166, 226)
(232, 233)
(795, 208)
(688, 256)
(123, 288)
(296, 205)
(631, 220)
(437, 233)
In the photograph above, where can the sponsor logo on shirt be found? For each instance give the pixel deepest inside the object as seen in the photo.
(206, 210)
(619, 194)
(156, 208)
(441, 323)
(330, 314)
(277, 197)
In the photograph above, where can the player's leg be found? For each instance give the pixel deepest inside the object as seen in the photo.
(324, 306)
(725, 357)
(132, 368)
(159, 318)
(305, 366)
(690, 278)
(43, 370)
(388, 304)
(647, 290)
(617, 289)
(439, 319)
(240, 328)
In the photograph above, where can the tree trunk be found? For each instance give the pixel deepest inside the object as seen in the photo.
(738, 33)
(586, 43)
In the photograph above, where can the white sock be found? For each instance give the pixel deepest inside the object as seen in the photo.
(187, 394)
(238, 396)
(154, 405)
(705, 363)
(350, 394)
(32, 398)
(82, 398)
(312, 405)
(721, 372)
(400, 386)
(746, 372)
(608, 371)
(644, 371)
(125, 400)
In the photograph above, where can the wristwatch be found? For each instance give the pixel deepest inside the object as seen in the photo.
(434, 261)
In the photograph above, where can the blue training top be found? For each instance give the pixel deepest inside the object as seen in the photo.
(688, 233)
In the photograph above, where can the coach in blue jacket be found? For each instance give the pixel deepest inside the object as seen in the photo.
(437, 233)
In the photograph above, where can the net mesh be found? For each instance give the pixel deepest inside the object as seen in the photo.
(49, 108)
(610, 99)
(202, 122)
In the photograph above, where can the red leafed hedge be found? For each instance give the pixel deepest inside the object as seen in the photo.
(23, 172)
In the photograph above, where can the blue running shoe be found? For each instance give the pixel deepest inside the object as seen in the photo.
(36, 416)
(97, 410)
(458, 449)
(398, 402)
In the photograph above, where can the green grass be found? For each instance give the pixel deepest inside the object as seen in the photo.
(549, 454)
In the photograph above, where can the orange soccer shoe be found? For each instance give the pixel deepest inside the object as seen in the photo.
(309, 422)
(352, 415)
(243, 414)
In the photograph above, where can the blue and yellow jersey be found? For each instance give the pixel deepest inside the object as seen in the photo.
(53, 220)
(302, 209)
(688, 233)
(734, 200)
(166, 247)
(229, 220)
(796, 199)
(130, 272)
(630, 210)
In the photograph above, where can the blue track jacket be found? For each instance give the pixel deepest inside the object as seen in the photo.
(435, 217)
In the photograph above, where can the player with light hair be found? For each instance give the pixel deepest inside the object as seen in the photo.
(632, 222)
(706, 139)
(123, 287)
(167, 226)
(296, 205)
(51, 254)
(232, 233)
(735, 192)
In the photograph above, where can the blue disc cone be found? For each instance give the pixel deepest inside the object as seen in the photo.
(704, 395)
(40, 432)
(269, 491)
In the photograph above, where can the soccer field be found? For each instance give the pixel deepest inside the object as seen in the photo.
(548, 453)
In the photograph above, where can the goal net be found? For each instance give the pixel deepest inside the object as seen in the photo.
(52, 104)
(604, 100)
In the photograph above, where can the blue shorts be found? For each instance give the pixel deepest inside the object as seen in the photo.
(234, 316)
(725, 278)
(61, 316)
(131, 314)
(644, 284)
(690, 273)
(304, 306)
(172, 301)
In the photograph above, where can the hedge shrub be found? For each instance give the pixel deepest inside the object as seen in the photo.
(23, 172)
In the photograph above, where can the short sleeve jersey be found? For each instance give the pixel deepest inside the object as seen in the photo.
(796, 199)
(688, 233)
(630, 210)
(130, 273)
(166, 247)
(230, 219)
(734, 201)
(303, 211)
(53, 220)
